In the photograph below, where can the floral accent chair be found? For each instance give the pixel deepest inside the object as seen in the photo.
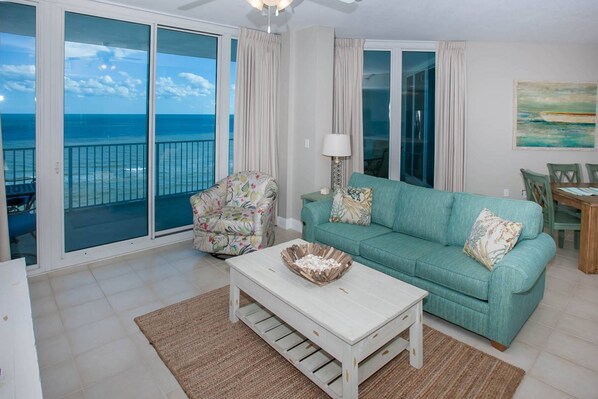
(236, 215)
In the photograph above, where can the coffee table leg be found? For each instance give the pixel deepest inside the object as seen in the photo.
(350, 374)
(233, 304)
(416, 354)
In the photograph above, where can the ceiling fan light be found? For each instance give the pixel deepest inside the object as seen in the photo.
(257, 4)
(282, 4)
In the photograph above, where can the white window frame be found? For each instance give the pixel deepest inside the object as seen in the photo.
(396, 49)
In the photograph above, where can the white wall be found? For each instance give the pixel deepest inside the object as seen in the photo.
(491, 163)
(307, 96)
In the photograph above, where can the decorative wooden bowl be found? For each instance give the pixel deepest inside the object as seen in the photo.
(317, 276)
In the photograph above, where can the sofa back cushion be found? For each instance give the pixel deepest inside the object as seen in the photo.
(424, 213)
(467, 207)
(246, 189)
(385, 194)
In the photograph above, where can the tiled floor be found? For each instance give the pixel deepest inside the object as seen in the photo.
(89, 347)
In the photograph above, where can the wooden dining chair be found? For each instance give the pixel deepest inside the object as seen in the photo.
(565, 172)
(592, 172)
(537, 188)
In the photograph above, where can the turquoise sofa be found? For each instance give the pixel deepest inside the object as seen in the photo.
(417, 235)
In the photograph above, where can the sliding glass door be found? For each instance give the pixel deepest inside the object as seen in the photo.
(105, 130)
(17, 110)
(186, 65)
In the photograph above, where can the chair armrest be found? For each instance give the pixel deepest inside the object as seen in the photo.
(314, 214)
(209, 200)
(521, 267)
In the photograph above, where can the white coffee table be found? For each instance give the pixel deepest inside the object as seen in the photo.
(338, 335)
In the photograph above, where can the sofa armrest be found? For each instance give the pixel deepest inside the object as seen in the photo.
(314, 214)
(209, 200)
(521, 268)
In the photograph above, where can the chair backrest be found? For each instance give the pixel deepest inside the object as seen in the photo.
(564, 172)
(592, 172)
(537, 189)
(246, 189)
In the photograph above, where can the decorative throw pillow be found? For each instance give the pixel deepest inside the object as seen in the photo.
(352, 205)
(491, 238)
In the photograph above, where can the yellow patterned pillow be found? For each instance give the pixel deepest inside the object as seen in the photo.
(491, 238)
(352, 205)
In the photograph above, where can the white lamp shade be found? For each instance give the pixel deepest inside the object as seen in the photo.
(337, 145)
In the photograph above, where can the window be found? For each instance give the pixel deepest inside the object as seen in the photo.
(105, 130)
(399, 81)
(186, 65)
(17, 107)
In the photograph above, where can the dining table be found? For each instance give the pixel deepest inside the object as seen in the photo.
(588, 204)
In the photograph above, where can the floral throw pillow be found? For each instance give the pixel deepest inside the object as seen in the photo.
(491, 238)
(352, 205)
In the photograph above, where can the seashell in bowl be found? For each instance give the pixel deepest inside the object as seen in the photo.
(317, 263)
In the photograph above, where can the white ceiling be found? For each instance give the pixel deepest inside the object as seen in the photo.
(555, 21)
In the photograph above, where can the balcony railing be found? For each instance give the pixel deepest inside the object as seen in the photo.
(107, 174)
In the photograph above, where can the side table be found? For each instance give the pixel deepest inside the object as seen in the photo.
(315, 196)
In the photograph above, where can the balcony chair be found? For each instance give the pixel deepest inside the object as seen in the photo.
(592, 172)
(236, 215)
(537, 187)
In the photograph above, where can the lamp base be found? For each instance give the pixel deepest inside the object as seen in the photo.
(336, 178)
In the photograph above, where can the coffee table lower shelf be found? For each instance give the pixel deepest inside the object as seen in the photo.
(320, 367)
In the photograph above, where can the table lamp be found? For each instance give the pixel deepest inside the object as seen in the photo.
(336, 146)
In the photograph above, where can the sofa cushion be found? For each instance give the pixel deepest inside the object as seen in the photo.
(385, 197)
(352, 205)
(467, 207)
(451, 268)
(347, 237)
(228, 220)
(424, 213)
(397, 251)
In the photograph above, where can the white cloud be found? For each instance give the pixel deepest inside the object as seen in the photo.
(23, 86)
(198, 81)
(83, 50)
(17, 71)
(195, 86)
(104, 86)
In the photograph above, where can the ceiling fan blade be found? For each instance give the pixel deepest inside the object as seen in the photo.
(194, 4)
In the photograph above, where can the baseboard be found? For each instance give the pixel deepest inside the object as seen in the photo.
(289, 224)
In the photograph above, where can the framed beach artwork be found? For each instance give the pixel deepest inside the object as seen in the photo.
(552, 115)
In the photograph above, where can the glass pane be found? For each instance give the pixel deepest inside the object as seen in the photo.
(233, 80)
(17, 109)
(417, 123)
(376, 112)
(185, 123)
(105, 130)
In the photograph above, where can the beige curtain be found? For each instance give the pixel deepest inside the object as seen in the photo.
(258, 59)
(347, 99)
(4, 238)
(450, 116)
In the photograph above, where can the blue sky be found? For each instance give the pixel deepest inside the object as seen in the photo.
(109, 80)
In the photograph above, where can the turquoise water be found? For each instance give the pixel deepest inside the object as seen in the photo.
(533, 131)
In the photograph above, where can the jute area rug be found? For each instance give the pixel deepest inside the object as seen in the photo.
(214, 358)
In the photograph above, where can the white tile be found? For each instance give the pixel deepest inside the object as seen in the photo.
(107, 360)
(39, 289)
(534, 334)
(532, 388)
(132, 299)
(565, 376)
(124, 282)
(147, 351)
(579, 327)
(43, 306)
(555, 299)
(567, 272)
(76, 395)
(145, 261)
(93, 335)
(581, 308)
(177, 394)
(171, 286)
(190, 264)
(135, 383)
(111, 270)
(518, 354)
(163, 377)
(47, 326)
(181, 296)
(153, 274)
(60, 380)
(208, 278)
(53, 350)
(588, 294)
(88, 312)
(72, 280)
(574, 349)
(127, 317)
(546, 315)
(37, 278)
(562, 286)
(78, 296)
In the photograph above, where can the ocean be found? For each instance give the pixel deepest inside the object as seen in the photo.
(533, 131)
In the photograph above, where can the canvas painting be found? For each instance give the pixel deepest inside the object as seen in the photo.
(552, 115)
